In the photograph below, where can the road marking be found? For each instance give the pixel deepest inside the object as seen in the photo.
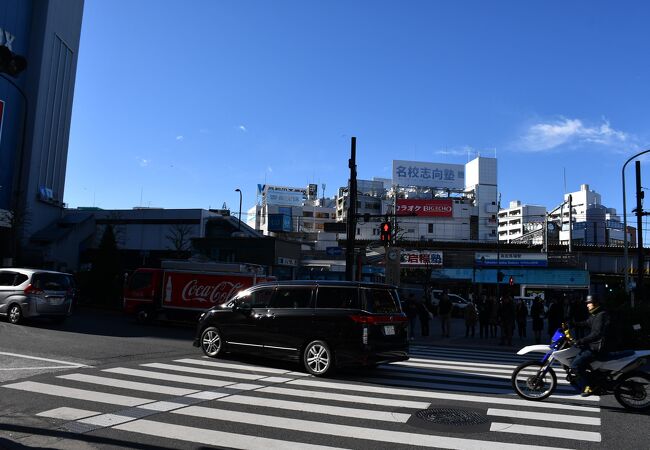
(502, 400)
(546, 432)
(474, 364)
(169, 377)
(208, 395)
(318, 408)
(346, 431)
(199, 371)
(106, 420)
(79, 394)
(452, 368)
(345, 398)
(65, 413)
(41, 367)
(211, 437)
(162, 406)
(38, 358)
(210, 363)
(275, 379)
(582, 420)
(463, 351)
(133, 385)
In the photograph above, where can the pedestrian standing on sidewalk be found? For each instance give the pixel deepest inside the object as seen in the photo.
(507, 318)
(483, 316)
(522, 318)
(471, 314)
(444, 311)
(555, 315)
(537, 313)
(411, 314)
(425, 316)
(494, 316)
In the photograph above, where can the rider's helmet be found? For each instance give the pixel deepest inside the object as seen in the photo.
(592, 299)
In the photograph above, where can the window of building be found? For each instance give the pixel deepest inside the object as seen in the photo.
(430, 228)
(308, 214)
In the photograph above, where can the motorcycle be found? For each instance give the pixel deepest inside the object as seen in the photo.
(616, 373)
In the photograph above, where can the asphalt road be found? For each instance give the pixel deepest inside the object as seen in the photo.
(102, 382)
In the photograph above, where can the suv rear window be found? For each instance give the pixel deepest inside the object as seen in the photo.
(51, 281)
(338, 297)
(381, 301)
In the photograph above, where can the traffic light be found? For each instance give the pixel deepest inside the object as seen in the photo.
(10, 63)
(385, 232)
(511, 281)
(500, 276)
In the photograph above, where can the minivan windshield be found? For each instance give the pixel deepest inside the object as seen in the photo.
(381, 301)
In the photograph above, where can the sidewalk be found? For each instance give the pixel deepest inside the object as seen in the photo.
(457, 337)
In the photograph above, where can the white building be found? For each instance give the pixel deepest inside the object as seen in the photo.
(432, 202)
(519, 219)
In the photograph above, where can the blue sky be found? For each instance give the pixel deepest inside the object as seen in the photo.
(177, 104)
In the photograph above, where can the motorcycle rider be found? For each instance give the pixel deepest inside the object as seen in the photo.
(592, 345)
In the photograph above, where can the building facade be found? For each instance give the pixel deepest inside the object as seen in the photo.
(519, 219)
(36, 107)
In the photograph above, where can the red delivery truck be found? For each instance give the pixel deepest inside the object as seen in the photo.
(182, 290)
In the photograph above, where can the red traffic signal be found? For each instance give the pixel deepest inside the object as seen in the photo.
(385, 232)
(511, 281)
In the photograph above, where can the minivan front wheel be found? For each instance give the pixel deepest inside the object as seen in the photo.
(15, 314)
(211, 342)
(318, 358)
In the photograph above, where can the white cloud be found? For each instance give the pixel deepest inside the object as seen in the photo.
(180, 137)
(144, 162)
(457, 151)
(242, 128)
(564, 131)
(269, 169)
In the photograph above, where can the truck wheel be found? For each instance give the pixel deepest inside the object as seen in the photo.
(211, 343)
(143, 316)
(318, 358)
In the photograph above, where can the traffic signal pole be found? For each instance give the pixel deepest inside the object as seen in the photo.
(639, 223)
(352, 213)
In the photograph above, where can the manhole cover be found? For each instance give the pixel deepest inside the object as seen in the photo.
(448, 416)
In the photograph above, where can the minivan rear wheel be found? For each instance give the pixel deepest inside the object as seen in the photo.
(318, 358)
(15, 314)
(211, 342)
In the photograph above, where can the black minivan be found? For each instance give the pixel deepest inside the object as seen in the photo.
(324, 324)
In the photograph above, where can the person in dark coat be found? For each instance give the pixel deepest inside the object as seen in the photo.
(411, 314)
(483, 316)
(425, 316)
(522, 317)
(494, 316)
(537, 314)
(507, 320)
(444, 311)
(555, 315)
(593, 345)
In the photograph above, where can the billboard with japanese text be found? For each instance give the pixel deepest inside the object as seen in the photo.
(287, 196)
(425, 174)
(421, 258)
(425, 208)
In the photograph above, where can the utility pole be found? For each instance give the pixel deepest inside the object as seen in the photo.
(570, 223)
(639, 224)
(352, 212)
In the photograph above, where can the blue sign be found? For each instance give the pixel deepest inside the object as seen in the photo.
(279, 223)
(334, 251)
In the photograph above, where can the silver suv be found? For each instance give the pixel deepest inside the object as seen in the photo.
(26, 293)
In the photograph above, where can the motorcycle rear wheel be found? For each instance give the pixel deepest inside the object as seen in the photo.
(633, 391)
(528, 383)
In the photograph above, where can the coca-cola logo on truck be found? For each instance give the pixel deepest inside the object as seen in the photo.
(220, 293)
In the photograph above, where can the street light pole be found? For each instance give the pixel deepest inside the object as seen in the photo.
(625, 255)
(240, 196)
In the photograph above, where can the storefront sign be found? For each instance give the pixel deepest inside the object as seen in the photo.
(420, 258)
(281, 195)
(511, 259)
(435, 175)
(425, 208)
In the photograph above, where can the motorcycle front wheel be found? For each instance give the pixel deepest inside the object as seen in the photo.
(633, 391)
(531, 383)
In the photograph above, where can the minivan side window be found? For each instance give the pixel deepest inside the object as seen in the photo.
(7, 278)
(337, 297)
(20, 279)
(260, 298)
(291, 298)
(381, 301)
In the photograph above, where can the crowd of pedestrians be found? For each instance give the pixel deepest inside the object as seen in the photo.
(496, 319)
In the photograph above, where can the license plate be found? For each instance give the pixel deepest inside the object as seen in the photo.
(389, 330)
(55, 300)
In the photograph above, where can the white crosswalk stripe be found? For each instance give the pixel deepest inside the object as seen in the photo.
(357, 406)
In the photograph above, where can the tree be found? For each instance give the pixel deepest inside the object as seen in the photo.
(179, 237)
